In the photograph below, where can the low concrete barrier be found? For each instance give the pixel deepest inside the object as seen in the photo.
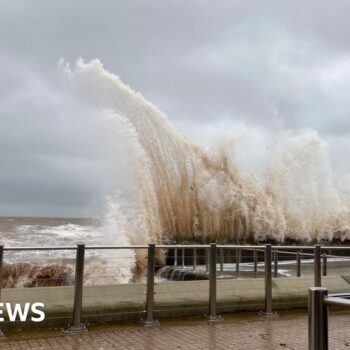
(127, 301)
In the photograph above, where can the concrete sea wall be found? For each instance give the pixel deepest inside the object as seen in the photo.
(127, 301)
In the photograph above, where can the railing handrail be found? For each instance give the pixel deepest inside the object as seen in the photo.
(338, 301)
(39, 248)
(74, 248)
(180, 246)
(189, 246)
(311, 254)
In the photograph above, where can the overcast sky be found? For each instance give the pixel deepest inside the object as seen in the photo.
(209, 65)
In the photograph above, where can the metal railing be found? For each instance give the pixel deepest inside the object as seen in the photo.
(212, 253)
(318, 315)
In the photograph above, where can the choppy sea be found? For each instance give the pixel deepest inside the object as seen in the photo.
(101, 266)
(21, 232)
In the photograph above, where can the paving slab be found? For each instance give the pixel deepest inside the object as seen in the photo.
(240, 331)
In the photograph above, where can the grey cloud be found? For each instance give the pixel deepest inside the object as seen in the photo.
(267, 63)
(55, 157)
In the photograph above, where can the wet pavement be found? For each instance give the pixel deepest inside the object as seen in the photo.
(237, 331)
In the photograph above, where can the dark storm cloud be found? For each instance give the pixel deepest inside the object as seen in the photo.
(206, 64)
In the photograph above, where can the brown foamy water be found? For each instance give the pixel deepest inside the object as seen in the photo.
(56, 268)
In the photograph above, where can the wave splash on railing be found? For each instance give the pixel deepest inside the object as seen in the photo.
(186, 193)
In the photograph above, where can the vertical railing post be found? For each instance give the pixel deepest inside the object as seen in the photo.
(255, 263)
(183, 258)
(221, 259)
(77, 325)
(317, 265)
(212, 316)
(298, 265)
(268, 283)
(194, 258)
(175, 256)
(150, 321)
(1, 265)
(206, 260)
(324, 264)
(238, 258)
(1, 268)
(318, 319)
(275, 268)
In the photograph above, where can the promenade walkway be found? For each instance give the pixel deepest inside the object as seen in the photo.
(238, 331)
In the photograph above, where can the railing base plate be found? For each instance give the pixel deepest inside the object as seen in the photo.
(216, 318)
(145, 323)
(268, 314)
(76, 330)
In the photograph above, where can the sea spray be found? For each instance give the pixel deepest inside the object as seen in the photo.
(185, 193)
(188, 194)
